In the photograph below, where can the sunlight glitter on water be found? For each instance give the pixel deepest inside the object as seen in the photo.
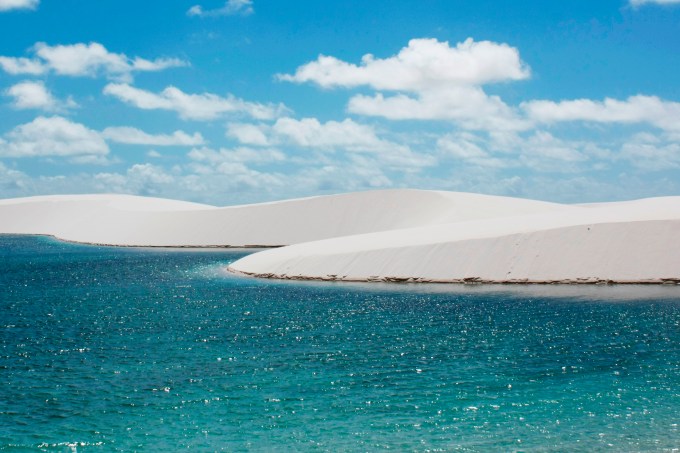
(143, 349)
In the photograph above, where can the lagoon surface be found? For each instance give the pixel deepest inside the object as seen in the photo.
(136, 349)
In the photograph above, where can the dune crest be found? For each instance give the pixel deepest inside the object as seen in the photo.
(125, 220)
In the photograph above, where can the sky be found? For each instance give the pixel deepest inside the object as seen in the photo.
(258, 100)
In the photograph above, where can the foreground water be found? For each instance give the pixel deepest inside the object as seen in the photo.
(120, 349)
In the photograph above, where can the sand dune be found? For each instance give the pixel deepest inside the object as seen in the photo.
(392, 235)
(140, 221)
(628, 242)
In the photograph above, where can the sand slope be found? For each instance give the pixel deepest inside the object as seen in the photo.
(628, 242)
(139, 221)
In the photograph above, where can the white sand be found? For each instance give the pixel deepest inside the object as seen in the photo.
(393, 235)
(139, 221)
(627, 242)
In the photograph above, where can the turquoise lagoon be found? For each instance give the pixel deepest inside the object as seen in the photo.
(105, 349)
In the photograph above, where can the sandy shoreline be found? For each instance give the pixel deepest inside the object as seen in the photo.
(178, 247)
(463, 281)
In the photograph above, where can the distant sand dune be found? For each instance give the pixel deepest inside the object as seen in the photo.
(392, 235)
(126, 220)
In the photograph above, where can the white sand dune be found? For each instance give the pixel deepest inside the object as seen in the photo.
(627, 242)
(392, 235)
(125, 220)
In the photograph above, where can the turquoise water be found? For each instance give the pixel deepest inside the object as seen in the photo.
(107, 349)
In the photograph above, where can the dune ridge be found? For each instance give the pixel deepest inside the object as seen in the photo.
(125, 220)
(392, 235)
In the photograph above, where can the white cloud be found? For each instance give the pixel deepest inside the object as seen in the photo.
(22, 65)
(425, 65)
(359, 172)
(81, 59)
(237, 155)
(141, 179)
(249, 134)
(133, 136)
(538, 151)
(13, 182)
(442, 82)
(471, 107)
(657, 2)
(149, 173)
(649, 152)
(311, 133)
(7, 5)
(636, 109)
(544, 152)
(647, 156)
(222, 169)
(34, 95)
(346, 135)
(205, 106)
(464, 148)
(53, 136)
(230, 8)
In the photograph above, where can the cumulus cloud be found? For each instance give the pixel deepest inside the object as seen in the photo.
(142, 179)
(538, 151)
(649, 152)
(81, 59)
(237, 155)
(134, 136)
(8, 5)
(471, 107)
(636, 109)
(310, 133)
(544, 152)
(434, 81)
(202, 107)
(249, 134)
(230, 8)
(21, 65)
(238, 165)
(34, 95)
(424, 65)
(657, 2)
(346, 135)
(13, 182)
(53, 136)
(467, 149)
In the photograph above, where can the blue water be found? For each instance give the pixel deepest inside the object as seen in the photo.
(107, 349)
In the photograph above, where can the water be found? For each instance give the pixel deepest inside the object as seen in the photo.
(107, 349)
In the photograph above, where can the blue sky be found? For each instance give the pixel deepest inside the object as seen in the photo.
(246, 101)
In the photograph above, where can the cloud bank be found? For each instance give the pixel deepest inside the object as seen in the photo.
(656, 2)
(134, 136)
(424, 65)
(230, 8)
(34, 95)
(8, 5)
(83, 60)
(201, 107)
(52, 136)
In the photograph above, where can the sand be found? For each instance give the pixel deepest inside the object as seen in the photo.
(392, 235)
(125, 220)
(626, 242)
